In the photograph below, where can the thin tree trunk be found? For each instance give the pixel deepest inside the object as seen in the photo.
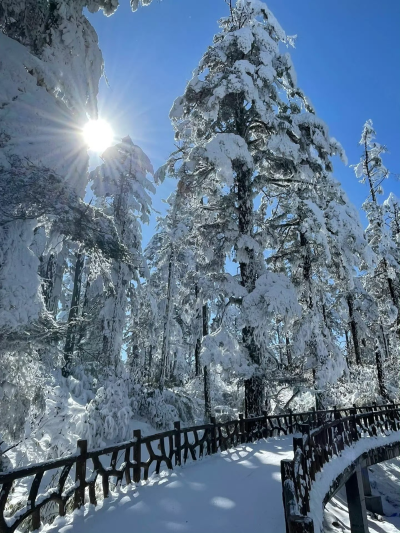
(207, 395)
(280, 348)
(167, 322)
(288, 351)
(197, 350)
(354, 331)
(307, 276)
(348, 347)
(85, 310)
(379, 368)
(52, 282)
(73, 314)
(206, 373)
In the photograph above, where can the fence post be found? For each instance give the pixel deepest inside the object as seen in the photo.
(242, 427)
(80, 474)
(137, 454)
(392, 418)
(32, 501)
(301, 524)
(264, 431)
(177, 439)
(214, 446)
(340, 429)
(353, 422)
(312, 418)
(290, 428)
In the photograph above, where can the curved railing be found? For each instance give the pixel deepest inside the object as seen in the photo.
(317, 446)
(58, 486)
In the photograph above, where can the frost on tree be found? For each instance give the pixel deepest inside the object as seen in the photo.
(50, 69)
(382, 279)
(246, 130)
(121, 181)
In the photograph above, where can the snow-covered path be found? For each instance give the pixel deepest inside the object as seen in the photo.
(231, 492)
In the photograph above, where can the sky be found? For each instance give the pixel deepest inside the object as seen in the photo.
(347, 60)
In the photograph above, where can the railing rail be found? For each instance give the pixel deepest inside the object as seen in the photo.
(316, 447)
(77, 477)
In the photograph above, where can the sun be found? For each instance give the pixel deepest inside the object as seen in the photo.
(98, 135)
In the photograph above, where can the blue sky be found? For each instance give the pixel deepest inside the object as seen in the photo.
(347, 59)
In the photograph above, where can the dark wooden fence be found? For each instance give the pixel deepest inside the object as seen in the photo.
(316, 446)
(76, 478)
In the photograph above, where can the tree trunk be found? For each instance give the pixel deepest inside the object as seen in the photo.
(353, 327)
(348, 347)
(307, 276)
(206, 373)
(85, 310)
(254, 387)
(385, 343)
(73, 314)
(379, 368)
(288, 352)
(395, 301)
(167, 323)
(197, 350)
(52, 285)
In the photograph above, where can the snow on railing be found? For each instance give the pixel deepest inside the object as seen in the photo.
(136, 459)
(318, 445)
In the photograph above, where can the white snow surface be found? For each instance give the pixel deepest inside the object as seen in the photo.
(325, 478)
(385, 482)
(230, 492)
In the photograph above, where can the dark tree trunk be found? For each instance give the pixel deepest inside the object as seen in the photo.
(197, 349)
(319, 404)
(167, 324)
(149, 359)
(254, 387)
(395, 301)
(52, 273)
(354, 331)
(73, 315)
(307, 266)
(288, 351)
(348, 348)
(49, 281)
(307, 276)
(379, 368)
(207, 395)
(385, 343)
(206, 372)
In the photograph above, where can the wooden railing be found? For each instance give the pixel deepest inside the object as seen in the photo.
(317, 446)
(59, 486)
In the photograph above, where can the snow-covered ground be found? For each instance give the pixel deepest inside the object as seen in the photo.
(385, 482)
(230, 492)
(331, 470)
(234, 491)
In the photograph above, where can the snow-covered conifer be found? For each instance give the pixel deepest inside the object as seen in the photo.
(244, 126)
(123, 184)
(381, 281)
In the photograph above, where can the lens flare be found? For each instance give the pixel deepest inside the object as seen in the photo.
(98, 135)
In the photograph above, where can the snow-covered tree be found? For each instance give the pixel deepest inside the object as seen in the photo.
(244, 127)
(122, 181)
(381, 281)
